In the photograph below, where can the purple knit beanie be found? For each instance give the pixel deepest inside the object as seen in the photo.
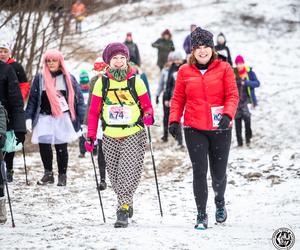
(113, 49)
(200, 37)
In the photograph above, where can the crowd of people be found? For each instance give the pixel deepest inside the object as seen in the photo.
(110, 112)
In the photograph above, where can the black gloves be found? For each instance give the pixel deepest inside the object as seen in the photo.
(2, 140)
(173, 129)
(157, 100)
(224, 122)
(20, 137)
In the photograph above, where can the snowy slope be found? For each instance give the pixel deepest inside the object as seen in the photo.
(264, 183)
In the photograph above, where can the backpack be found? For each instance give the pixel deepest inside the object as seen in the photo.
(131, 88)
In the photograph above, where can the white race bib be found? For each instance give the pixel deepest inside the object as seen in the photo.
(118, 114)
(216, 113)
(63, 103)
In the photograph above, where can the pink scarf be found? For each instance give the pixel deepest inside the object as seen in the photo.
(51, 88)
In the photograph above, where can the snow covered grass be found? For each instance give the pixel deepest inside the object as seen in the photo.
(263, 181)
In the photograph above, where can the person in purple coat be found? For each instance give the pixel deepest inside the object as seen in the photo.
(187, 42)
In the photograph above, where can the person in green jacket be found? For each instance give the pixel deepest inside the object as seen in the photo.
(164, 45)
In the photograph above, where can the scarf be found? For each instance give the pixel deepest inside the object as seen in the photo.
(118, 74)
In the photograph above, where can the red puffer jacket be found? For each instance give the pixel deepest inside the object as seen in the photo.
(196, 93)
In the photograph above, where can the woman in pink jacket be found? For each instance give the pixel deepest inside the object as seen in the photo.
(121, 99)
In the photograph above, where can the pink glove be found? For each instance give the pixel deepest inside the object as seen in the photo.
(89, 145)
(148, 120)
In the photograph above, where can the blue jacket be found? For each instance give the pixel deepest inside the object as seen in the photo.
(34, 102)
(252, 83)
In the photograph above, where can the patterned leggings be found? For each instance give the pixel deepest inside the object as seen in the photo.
(124, 161)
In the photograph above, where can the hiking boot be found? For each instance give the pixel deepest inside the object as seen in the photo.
(221, 212)
(202, 221)
(122, 217)
(164, 138)
(81, 156)
(47, 178)
(102, 186)
(3, 213)
(62, 180)
(9, 175)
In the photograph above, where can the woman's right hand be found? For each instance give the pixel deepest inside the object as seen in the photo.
(89, 145)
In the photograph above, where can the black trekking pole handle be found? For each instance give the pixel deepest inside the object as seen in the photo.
(154, 169)
(25, 167)
(97, 184)
(3, 173)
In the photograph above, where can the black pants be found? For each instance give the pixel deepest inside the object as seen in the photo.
(101, 161)
(9, 159)
(238, 128)
(62, 156)
(214, 145)
(166, 110)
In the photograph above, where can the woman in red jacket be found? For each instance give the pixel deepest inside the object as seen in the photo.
(206, 91)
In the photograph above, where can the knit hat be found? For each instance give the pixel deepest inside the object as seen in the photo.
(99, 65)
(176, 55)
(200, 37)
(239, 60)
(113, 49)
(166, 32)
(84, 77)
(129, 34)
(5, 45)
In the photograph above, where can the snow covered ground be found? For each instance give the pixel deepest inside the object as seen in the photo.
(264, 180)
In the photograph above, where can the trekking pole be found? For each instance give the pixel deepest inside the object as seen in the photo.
(25, 167)
(97, 183)
(3, 172)
(154, 169)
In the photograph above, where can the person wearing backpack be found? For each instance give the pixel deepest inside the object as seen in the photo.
(3, 120)
(99, 69)
(122, 100)
(54, 113)
(246, 81)
(24, 85)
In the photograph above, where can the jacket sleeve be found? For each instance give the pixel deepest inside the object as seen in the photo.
(32, 103)
(157, 44)
(229, 57)
(92, 85)
(186, 45)
(138, 57)
(161, 83)
(23, 82)
(79, 104)
(2, 120)
(231, 92)
(94, 110)
(15, 100)
(253, 81)
(169, 85)
(179, 99)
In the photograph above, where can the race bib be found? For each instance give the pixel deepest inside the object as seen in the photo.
(63, 103)
(118, 114)
(216, 113)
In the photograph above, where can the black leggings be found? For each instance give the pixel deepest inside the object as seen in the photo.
(101, 161)
(238, 129)
(62, 156)
(214, 145)
(9, 160)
